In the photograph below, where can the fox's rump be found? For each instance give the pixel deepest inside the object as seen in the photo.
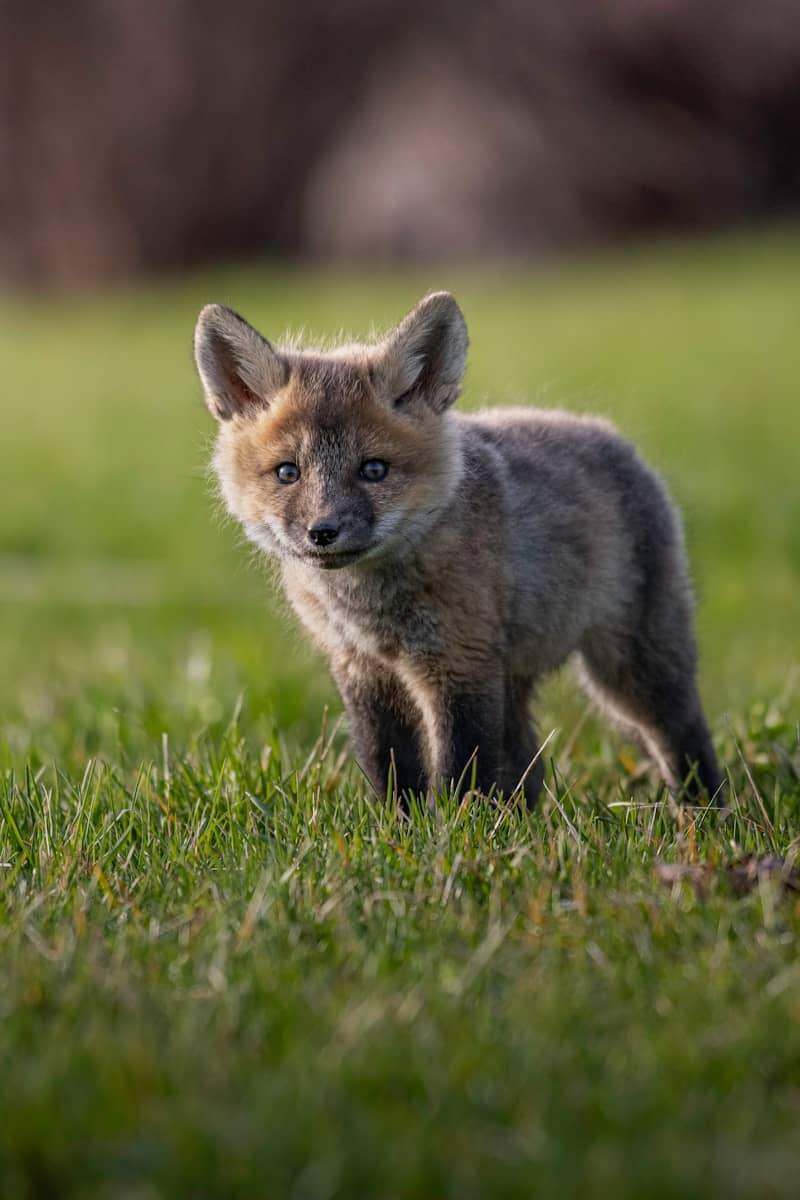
(585, 527)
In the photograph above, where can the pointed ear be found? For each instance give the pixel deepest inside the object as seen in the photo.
(426, 353)
(238, 368)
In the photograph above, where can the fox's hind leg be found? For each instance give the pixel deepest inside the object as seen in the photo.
(647, 684)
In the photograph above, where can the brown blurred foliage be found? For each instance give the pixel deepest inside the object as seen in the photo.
(150, 135)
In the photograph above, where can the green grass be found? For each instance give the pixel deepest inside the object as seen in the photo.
(226, 969)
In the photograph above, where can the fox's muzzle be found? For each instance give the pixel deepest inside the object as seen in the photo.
(322, 533)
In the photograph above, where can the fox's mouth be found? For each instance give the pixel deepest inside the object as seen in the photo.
(331, 560)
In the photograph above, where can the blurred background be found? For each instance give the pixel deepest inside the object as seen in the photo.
(140, 137)
(610, 187)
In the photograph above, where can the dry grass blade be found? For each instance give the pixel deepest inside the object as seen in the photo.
(742, 876)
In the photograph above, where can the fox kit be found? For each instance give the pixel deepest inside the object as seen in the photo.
(445, 562)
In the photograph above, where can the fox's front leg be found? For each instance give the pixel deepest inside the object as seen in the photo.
(464, 723)
(384, 725)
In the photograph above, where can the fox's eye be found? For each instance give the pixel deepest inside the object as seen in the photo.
(374, 470)
(288, 472)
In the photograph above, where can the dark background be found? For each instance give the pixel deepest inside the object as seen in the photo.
(152, 136)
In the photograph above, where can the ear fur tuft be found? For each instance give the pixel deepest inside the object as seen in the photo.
(237, 366)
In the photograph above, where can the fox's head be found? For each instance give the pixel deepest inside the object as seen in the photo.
(336, 457)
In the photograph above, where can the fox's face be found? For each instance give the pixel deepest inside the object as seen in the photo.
(340, 458)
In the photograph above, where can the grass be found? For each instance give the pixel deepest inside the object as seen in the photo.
(227, 969)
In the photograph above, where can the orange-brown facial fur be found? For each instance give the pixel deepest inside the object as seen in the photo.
(330, 417)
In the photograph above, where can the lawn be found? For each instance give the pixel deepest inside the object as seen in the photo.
(226, 969)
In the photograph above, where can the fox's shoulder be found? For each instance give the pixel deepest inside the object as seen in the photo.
(539, 433)
(545, 423)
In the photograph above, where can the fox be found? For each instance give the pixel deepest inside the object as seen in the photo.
(446, 562)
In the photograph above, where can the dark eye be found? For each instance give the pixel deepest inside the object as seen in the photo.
(288, 472)
(374, 470)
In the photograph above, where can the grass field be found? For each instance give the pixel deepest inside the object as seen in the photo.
(226, 969)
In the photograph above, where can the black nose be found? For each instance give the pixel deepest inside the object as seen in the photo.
(322, 533)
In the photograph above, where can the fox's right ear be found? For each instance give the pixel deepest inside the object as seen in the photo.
(426, 353)
(238, 368)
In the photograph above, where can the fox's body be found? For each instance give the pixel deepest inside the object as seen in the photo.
(490, 548)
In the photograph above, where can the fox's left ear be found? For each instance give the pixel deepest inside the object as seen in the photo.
(239, 369)
(426, 353)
